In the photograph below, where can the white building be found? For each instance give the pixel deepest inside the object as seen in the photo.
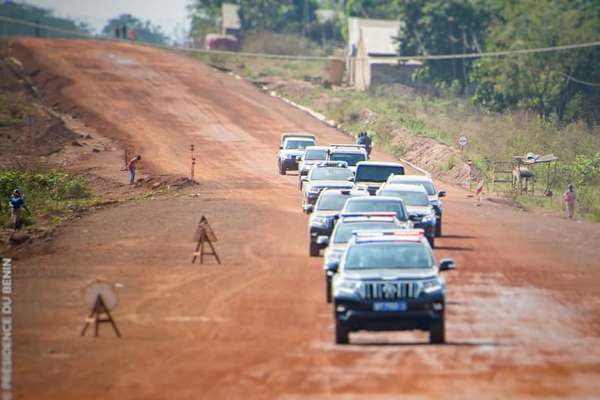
(372, 46)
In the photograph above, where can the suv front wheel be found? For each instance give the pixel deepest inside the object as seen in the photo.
(342, 334)
(437, 333)
(314, 249)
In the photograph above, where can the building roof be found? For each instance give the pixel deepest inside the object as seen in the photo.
(231, 19)
(356, 24)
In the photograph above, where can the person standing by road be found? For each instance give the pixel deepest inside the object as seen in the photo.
(131, 167)
(569, 200)
(17, 204)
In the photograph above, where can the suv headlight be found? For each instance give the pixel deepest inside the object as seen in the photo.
(319, 221)
(428, 219)
(432, 286)
(346, 287)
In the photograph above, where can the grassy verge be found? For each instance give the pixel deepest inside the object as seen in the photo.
(50, 196)
(256, 68)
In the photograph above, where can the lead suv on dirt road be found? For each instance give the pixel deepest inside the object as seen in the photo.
(389, 281)
(324, 215)
(432, 193)
(342, 233)
(370, 175)
(291, 150)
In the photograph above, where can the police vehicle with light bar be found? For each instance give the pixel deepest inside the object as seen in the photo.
(388, 281)
(434, 195)
(291, 150)
(370, 175)
(345, 226)
(420, 211)
(325, 175)
(324, 215)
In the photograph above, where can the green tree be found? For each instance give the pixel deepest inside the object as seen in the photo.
(145, 31)
(31, 14)
(542, 82)
(205, 18)
(444, 27)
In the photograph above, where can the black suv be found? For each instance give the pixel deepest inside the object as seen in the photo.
(389, 280)
(324, 216)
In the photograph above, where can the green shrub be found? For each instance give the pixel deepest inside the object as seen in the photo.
(47, 194)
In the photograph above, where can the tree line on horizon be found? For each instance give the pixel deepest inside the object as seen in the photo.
(145, 30)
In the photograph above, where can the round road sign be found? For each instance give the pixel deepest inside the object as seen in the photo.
(462, 141)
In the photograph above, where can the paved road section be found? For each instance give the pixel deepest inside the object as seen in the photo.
(522, 316)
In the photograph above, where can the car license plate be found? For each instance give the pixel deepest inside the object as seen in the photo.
(390, 306)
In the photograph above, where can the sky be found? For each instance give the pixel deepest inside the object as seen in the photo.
(169, 14)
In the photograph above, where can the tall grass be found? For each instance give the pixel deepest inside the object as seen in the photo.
(50, 196)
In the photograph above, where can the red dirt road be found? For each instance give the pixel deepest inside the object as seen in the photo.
(522, 318)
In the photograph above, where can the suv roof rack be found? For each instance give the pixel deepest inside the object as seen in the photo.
(329, 163)
(352, 146)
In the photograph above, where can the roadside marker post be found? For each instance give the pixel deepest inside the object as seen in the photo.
(205, 235)
(193, 170)
(470, 174)
(462, 142)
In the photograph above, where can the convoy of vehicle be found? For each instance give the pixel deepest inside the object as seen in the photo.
(377, 227)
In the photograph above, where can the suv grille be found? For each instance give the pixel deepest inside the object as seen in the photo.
(389, 290)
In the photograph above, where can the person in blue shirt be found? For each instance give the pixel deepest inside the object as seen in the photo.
(17, 204)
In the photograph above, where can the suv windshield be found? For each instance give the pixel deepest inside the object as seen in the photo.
(376, 173)
(426, 184)
(350, 158)
(315, 155)
(377, 206)
(388, 255)
(298, 144)
(331, 201)
(410, 198)
(343, 231)
(330, 174)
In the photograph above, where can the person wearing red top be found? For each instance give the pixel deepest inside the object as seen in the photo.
(131, 166)
(569, 200)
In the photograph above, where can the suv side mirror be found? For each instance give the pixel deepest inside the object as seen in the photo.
(304, 178)
(442, 193)
(351, 179)
(447, 264)
(322, 241)
(307, 208)
(280, 147)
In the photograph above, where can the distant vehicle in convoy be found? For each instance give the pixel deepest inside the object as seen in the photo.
(388, 281)
(325, 175)
(312, 155)
(342, 233)
(370, 175)
(291, 150)
(371, 204)
(352, 154)
(324, 215)
(420, 211)
(432, 193)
